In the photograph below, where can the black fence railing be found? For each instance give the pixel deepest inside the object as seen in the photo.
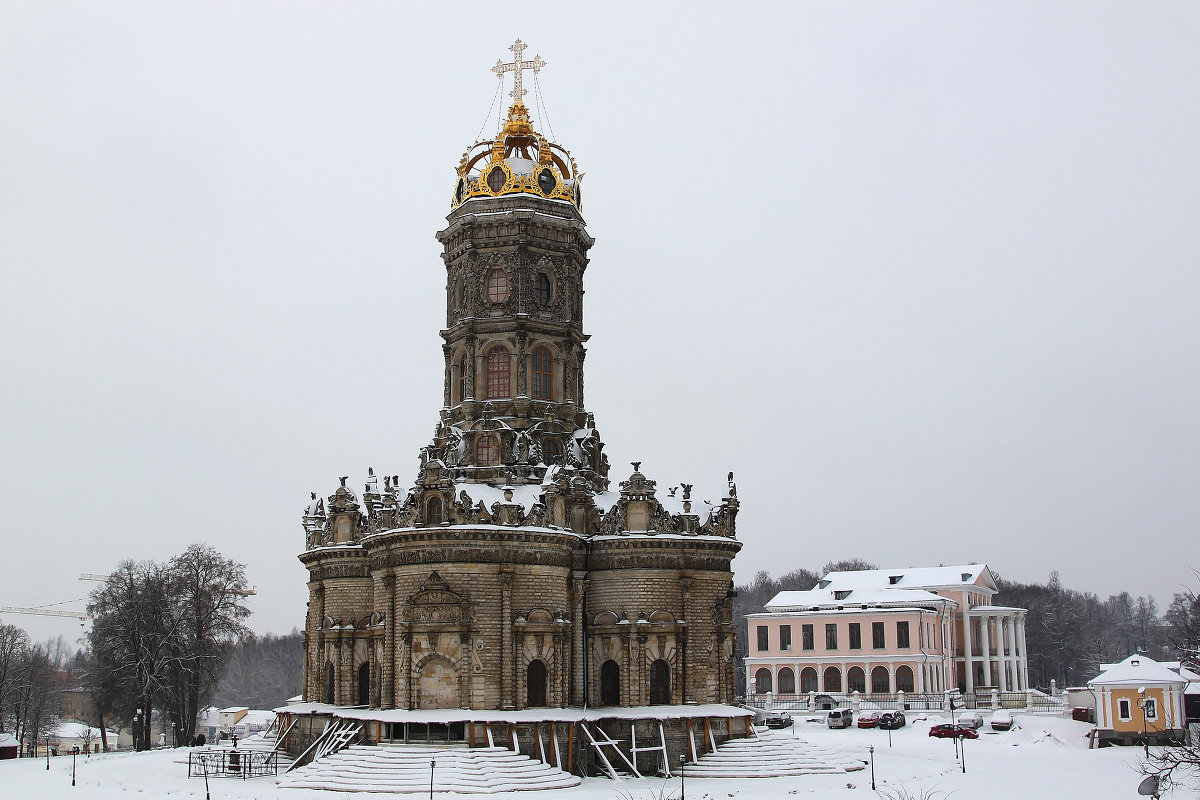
(228, 763)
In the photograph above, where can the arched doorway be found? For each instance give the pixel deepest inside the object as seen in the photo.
(535, 684)
(787, 681)
(329, 684)
(881, 682)
(364, 684)
(660, 683)
(808, 680)
(833, 679)
(610, 683)
(762, 681)
(904, 679)
(856, 680)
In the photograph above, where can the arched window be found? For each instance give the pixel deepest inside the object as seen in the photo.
(762, 681)
(364, 684)
(787, 681)
(856, 680)
(833, 679)
(433, 511)
(808, 680)
(660, 683)
(881, 682)
(904, 679)
(610, 683)
(497, 372)
(462, 378)
(543, 367)
(497, 286)
(487, 451)
(329, 683)
(551, 451)
(535, 684)
(541, 289)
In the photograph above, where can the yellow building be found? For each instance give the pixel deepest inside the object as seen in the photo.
(1138, 701)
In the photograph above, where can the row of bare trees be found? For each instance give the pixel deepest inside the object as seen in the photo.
(160, 633)
(32, 677)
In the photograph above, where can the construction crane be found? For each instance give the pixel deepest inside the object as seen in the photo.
(46, 612)
(90, 576)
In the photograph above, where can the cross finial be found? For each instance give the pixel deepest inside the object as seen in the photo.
(518, 67)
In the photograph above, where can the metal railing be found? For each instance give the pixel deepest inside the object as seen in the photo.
(1030, 700)
(227, 763)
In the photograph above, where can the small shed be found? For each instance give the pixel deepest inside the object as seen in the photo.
(1139, 701)
(9, 746)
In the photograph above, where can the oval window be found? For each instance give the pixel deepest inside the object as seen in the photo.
(496, 179)
(458, 191)
(546, 181)
(497, 286)
(541, 289)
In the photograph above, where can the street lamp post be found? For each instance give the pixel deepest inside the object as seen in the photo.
(871, 750)
(1145, 721)
(682, 789)
(432, 764)
(74, 750)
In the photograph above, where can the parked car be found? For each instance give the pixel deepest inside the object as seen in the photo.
(1002, 720)
(868, 719)
(777, 719)
(947, 731)
(891, 720)
(971, 719)
(840, 718)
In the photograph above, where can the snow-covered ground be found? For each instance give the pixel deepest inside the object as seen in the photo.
(1045, 758)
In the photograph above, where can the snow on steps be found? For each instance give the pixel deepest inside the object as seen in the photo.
(405, 768)
(769, 755)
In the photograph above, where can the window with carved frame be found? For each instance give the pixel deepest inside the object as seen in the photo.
(497, 286)
(433, 511)
(498, 370)
(487, 451)
(541, 289)
(543, 369)
(462, 378)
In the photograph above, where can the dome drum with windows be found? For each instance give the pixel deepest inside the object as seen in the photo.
(518, 161)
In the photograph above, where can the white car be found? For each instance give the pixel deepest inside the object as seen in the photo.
(970, 719)
(1002, 720)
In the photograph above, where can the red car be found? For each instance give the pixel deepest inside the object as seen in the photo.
(868, 719)
(951, 731)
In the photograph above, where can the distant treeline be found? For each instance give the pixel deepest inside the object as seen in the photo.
(1068, 633)
(262, 671)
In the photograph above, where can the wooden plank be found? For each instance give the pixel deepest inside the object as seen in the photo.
(691, 732)
(571, 748)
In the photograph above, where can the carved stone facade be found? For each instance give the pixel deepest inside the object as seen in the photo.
(510, 575)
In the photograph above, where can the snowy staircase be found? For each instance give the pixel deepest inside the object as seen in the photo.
(769, 755)
(405, 768)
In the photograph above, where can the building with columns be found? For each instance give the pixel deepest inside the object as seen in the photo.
(511, 573)
(923, 630)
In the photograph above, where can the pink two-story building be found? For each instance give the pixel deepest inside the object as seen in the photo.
(916, 630)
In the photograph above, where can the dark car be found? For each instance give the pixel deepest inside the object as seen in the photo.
(952, 731)
(778, 720)
(891, 720)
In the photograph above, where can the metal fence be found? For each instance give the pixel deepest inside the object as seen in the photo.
(1030, 700)
(227, 763)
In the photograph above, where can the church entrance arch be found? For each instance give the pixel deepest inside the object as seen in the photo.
(437, 683)
(535, 684)
(364, 684)
(610, 683)
(660, 683)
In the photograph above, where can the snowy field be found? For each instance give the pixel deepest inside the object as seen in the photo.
(1041, 759)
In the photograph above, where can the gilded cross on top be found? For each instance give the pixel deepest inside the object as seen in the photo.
(518, 67)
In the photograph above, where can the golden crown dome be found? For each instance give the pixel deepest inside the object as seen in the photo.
(518, 161)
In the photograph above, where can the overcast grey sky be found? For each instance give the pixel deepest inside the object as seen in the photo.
(924, 275)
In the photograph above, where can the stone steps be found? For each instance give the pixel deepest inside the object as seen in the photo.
(405, 768)
(770, 755)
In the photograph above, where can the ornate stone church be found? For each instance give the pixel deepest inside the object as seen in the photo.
(513, 574)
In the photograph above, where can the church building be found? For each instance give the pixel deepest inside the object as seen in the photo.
(512, 573)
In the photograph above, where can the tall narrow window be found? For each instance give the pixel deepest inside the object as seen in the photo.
(462, 378)
(881, 682)
(831, 636)
(364, 684)
(433, 511)
(877, 636)
(329, 684)
(535, 684)
(551, 451)
(610, 683)
(497, 286)
(763, 643)
(1123, 709)
(806, 637)
(541, 289)
(785, 639)
(660, 683)
(487, 451)
(902, 634)
(543, 368)
(855, 636)
(787, 681)
(497, 372)
(762, 681)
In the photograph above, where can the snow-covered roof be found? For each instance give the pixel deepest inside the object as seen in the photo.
(834, 596)
(257, 717)
(1137, 669)
(977, 576)
(446, 715)
(234, 709)
(74, 730)
(8, 740)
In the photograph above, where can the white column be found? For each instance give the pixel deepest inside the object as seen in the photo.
(968, 659)
(985, 633)
(1022, 660)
